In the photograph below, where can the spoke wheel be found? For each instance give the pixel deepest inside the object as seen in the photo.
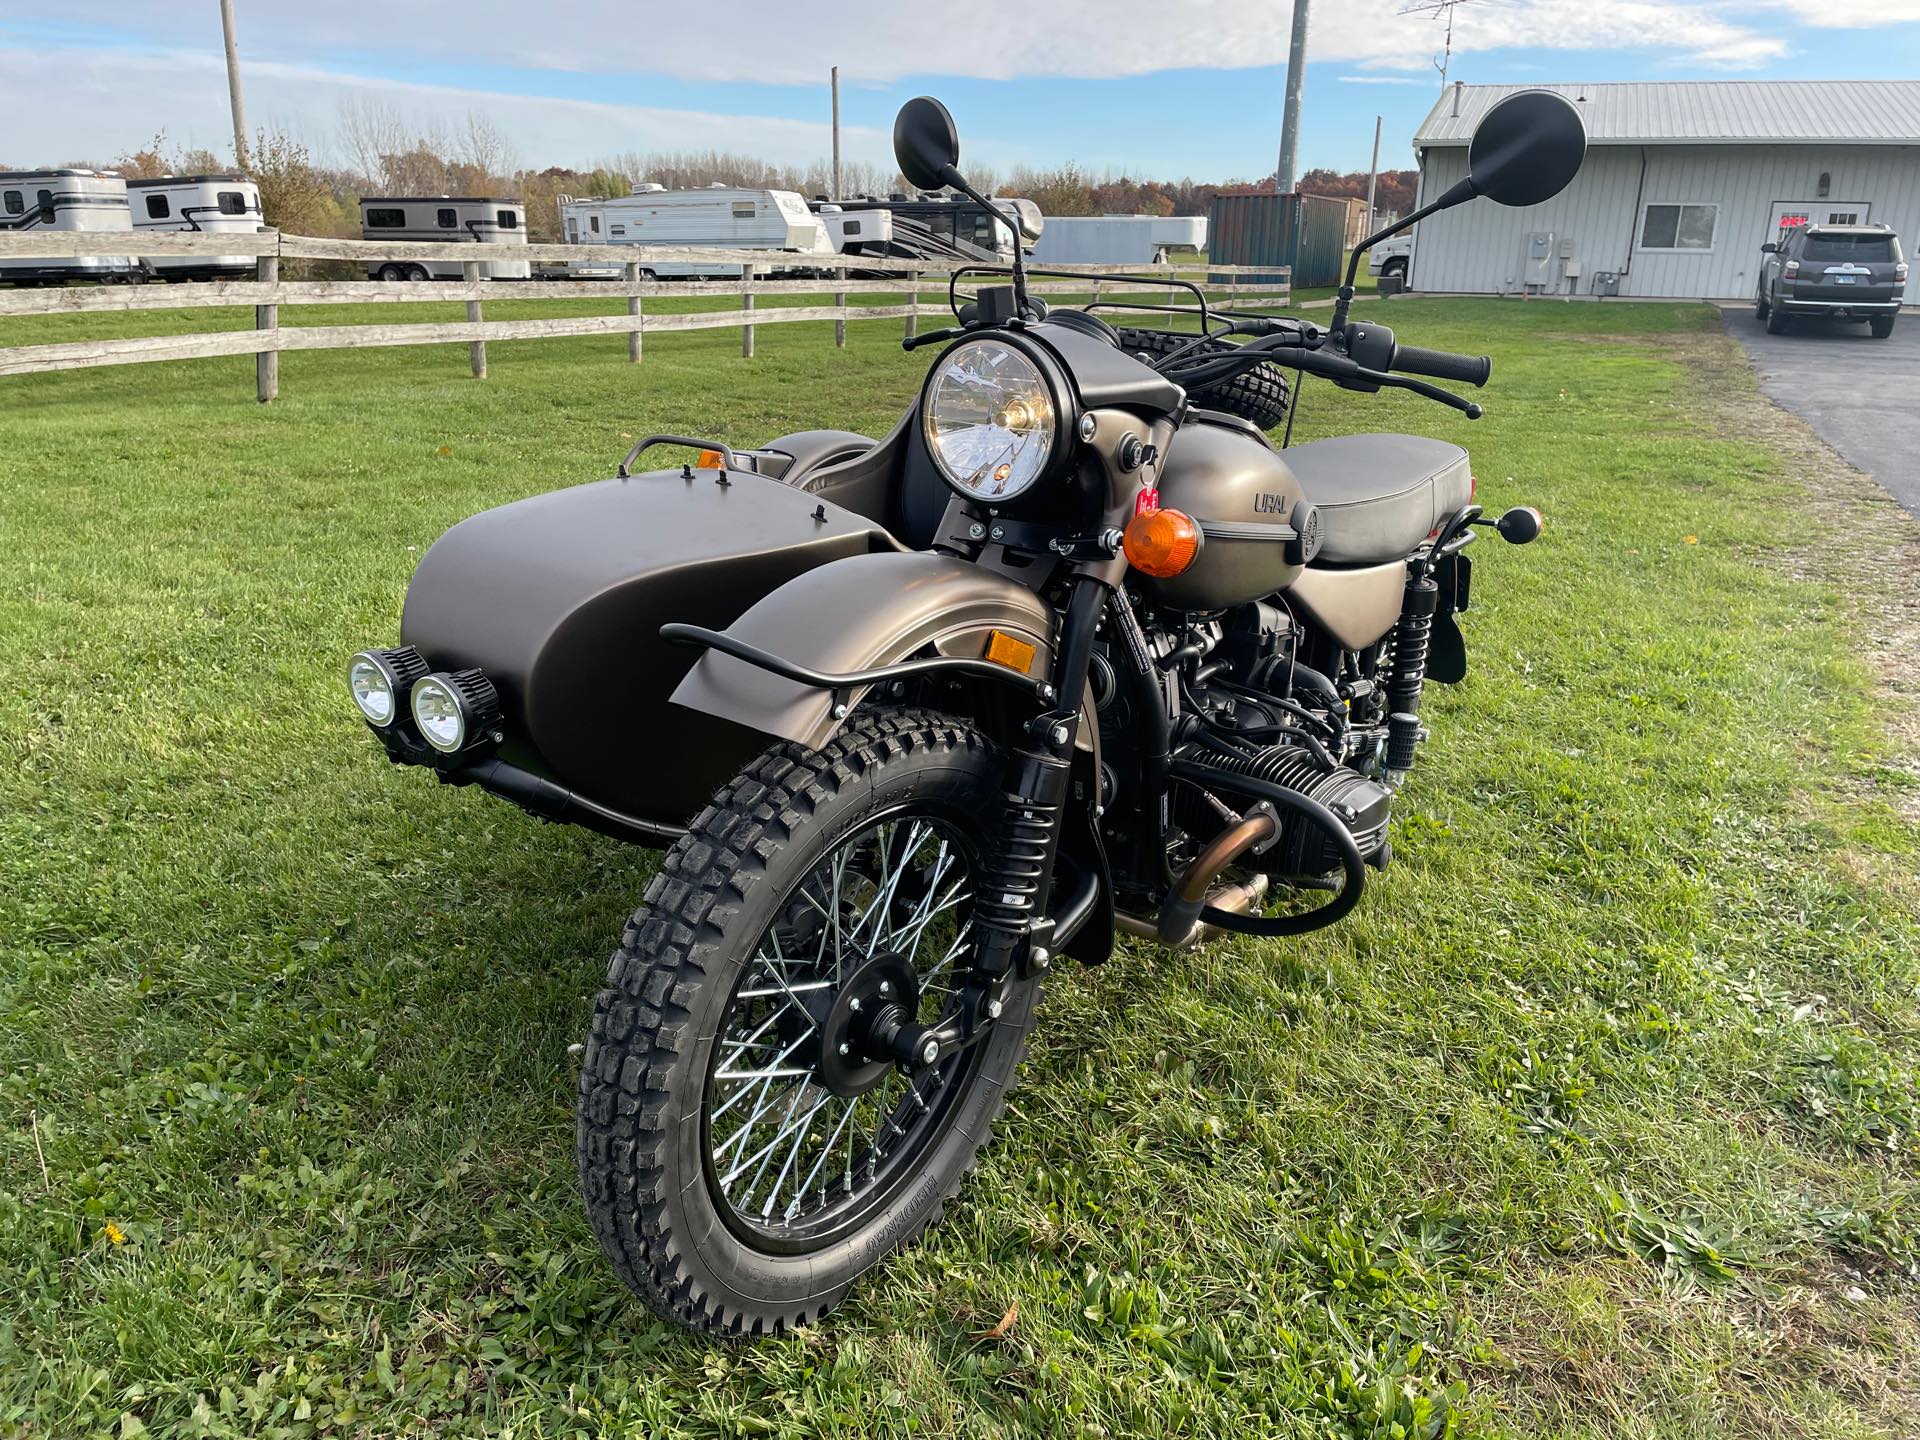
(749, 1142)
(807, 1132)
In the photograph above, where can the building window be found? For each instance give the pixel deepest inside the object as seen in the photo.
(1826, 184)
(231, 202)
(16, 202)
(446, 218)
(619, 230)
(593, 223)
(157, 207)
(509, 219)
(384, 219)
(1678, 227)
(852, 227)
(743, 209)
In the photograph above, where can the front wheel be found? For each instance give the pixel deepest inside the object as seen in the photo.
(745, 1152)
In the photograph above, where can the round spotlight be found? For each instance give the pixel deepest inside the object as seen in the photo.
(379, 679)
(454, 710)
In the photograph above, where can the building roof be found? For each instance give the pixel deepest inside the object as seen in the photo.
(1708, 112)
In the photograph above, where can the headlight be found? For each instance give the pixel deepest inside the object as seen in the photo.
(990, 420)
(455, 710)
(379, 679)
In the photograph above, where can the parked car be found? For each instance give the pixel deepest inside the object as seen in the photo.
(1842, 272)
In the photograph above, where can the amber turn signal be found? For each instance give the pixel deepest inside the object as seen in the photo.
(711, 460)
(1161, 543)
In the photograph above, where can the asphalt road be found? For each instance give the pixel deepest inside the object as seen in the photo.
(1861, 394)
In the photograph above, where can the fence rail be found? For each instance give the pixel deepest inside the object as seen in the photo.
(901, 280)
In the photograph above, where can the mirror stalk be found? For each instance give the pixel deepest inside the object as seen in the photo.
(952, 178)
(1343, 301)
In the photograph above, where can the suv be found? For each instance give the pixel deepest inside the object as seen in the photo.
(1844, 272)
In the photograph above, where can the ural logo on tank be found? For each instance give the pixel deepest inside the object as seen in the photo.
(1269, 502)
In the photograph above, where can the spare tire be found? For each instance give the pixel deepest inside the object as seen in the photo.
(1260, 395)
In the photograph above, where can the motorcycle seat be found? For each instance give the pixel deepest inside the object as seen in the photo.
(1379, 496)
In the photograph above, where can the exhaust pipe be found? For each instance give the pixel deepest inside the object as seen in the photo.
(1236, 899)
(1180, 913)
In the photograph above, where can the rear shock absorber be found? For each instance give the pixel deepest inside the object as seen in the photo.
(1412, 637)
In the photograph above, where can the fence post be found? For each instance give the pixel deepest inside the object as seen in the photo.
(470, 269)
(633, 309)
(266, 363)
(746, 303)
(913, 303)
(840, 323)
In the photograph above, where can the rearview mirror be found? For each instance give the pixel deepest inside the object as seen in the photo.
(1524, 150)
(1772, 247)
(926, 146)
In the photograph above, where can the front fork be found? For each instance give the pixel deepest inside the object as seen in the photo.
(1011, 917)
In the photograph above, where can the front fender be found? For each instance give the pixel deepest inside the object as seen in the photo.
(856, 613)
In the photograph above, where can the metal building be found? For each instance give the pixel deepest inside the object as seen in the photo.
(1305, 234)
(1684, 181)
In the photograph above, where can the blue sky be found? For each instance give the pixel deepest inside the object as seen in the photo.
(1160, 87)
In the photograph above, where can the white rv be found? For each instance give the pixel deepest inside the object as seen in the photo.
(857, 232)
(67, 200)
(202, 204)
(442, 220)
(722, 217)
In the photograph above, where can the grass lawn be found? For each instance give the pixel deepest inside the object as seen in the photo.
(1598, 1119)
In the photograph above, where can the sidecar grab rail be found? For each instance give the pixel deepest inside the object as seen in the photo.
(702, 638)
(728, 455)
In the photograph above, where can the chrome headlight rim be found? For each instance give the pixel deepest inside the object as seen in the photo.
(1059, 396)
(399, 668)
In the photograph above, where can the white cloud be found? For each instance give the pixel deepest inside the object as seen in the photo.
(107, 101)
(782, 42)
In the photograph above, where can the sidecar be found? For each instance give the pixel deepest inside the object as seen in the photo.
(531, 662)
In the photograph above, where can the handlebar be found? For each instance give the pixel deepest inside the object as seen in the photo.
(1442, 364)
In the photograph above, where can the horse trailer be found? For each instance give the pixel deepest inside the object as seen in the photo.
(67, 200)
(443, 220)
(198, 204)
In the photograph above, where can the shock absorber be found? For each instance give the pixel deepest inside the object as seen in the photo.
(1412, 637)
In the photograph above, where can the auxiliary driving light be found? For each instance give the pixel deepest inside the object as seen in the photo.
(379, 680)
(455, 709)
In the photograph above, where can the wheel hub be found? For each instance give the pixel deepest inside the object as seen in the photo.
(873, 1004)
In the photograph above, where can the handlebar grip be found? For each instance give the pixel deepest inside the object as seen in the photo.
(1443, 364)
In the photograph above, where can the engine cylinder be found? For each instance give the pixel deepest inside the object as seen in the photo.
(1362, 805)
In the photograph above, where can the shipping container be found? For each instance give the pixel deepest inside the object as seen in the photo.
(1304, 232)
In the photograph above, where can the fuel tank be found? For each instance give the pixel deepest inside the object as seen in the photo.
(1247, 503)
(559, 599)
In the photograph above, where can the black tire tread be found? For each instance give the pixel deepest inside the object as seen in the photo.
(1260, 395)
(640, 1018)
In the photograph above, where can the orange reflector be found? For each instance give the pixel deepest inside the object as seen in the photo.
(1162, 543)
(711, 460)
(1010, 651)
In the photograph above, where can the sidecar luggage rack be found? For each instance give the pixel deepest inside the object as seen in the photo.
(702, 638)
(728, 455)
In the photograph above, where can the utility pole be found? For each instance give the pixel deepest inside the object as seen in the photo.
(1283, 180)
(233, 88)
(1373, 173)
(836, 133)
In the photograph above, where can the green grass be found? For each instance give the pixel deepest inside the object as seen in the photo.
(1597, 1119)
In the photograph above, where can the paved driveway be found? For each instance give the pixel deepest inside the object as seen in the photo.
(1861, 394)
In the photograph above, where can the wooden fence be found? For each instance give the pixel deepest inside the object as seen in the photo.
(267, 292)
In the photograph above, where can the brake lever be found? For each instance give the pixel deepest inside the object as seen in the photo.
(1469, 408)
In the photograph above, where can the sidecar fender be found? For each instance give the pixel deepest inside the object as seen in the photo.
(857, 613)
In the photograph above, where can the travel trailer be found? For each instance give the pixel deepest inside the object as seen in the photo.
(67, 200)
(440, 220)
(720, 217)
(869, 232)
(204, 204)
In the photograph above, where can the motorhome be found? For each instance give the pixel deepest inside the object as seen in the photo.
(947, 227)
(66, 200)
(868, 232)
(200, 204)
(720, 217)
(1120, 239)
(443, 220)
